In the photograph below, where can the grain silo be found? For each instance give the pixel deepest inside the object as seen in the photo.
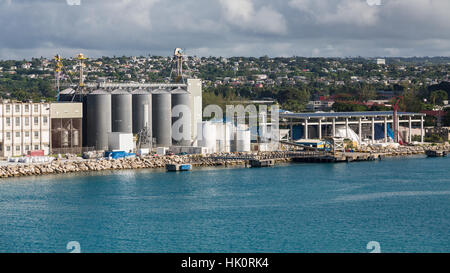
(98, 108)
(162, 117)
(181, 97)
(142, 111)
(121, 108)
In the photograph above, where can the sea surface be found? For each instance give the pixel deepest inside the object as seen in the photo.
(403, 204)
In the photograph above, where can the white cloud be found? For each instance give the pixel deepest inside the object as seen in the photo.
(225, 27)
(355, 12)
(244, 15)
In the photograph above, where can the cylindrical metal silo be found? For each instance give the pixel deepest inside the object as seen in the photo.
(84, 135)
(162, 117)
(65, 138)
(75, 138)
(98, 119)
(121, 108)
(142, 110)
(181, 97)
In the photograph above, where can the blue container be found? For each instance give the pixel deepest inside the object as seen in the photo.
(116, 154)
(185, 167)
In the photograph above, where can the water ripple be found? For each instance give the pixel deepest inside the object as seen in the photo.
(378, 195)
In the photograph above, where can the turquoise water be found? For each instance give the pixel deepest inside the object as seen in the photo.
(404, 204)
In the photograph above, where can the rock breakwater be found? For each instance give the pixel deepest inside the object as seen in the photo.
(62, 166)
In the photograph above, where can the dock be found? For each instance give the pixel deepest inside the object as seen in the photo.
(256, 163)
(335, 158)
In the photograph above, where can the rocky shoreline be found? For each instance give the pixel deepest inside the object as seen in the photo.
(151, 162)
(405, 150)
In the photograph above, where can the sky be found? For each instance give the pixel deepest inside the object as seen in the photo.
(310, 28)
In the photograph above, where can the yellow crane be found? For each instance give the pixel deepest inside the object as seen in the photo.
(81, 58)
(58, 68)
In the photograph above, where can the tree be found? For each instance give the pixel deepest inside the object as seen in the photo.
(348, 107)
(438, 97)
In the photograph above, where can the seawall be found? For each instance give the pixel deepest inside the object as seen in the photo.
(149, 162)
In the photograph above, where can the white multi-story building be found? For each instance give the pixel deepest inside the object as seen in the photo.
(24, 127)
(381, 61)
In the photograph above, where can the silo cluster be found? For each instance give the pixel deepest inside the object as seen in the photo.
(137, 112)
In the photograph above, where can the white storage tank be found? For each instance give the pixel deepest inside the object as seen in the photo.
(209, 136)
(224, 134)
(243, 141)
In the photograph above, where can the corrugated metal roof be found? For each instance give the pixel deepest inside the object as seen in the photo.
(140, 92)
(179, 91)
(346, 114)
(160, 91)
(120, 92)
(99, 92)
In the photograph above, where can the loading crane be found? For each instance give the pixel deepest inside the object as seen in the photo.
(81, 58)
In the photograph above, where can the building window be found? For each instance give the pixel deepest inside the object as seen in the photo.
(17, 148)
(8, 136)
(27, 121)
(45, 120)
(27, 147)
(8, 148)
(27, 108)
(8, 108)
(36, 147)
(27, 134)
(36, 135)
(17, 134)
(36, 121)
(8, 121)
(36, 108)
(18, 122)
(17, 108)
